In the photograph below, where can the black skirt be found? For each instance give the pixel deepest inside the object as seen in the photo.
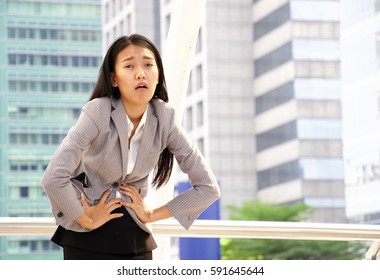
(117, 236)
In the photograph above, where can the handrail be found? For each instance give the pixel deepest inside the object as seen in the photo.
(17, 226)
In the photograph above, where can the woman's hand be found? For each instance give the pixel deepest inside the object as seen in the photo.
(97, 215)
(137, 205)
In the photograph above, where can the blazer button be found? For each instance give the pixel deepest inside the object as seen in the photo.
(115, 185)
(59, 215)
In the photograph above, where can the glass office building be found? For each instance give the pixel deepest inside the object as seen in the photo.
(50, 53)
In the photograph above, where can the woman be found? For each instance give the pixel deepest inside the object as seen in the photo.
(98, 177)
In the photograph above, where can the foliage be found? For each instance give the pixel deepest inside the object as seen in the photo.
(276, 249)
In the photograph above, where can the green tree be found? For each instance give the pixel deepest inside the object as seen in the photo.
(275, 249)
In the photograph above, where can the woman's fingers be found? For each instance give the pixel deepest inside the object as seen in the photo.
(83, 201)
(137, 204)
(105, 195)
(113, 204)
(116, 215)
(130, 191)
(101, 212)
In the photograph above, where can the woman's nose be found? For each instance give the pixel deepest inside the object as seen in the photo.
(140, 74)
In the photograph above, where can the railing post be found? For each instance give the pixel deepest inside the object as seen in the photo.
(373, 251)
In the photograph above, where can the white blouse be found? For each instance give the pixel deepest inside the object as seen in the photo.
(135, 142)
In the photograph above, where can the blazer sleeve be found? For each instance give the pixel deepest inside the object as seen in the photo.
(187, 206)
(56, 179)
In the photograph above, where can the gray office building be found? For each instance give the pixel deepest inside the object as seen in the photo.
(296, 88)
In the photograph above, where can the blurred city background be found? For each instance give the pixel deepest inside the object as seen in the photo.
(283, 100)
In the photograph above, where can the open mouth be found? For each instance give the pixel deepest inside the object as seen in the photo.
(141, 86)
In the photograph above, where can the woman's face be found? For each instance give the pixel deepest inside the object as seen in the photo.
(136, 75)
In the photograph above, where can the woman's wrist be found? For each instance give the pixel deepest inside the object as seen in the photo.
(157, 214)
(85, 221)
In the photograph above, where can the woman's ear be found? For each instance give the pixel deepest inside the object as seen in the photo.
(113, 80)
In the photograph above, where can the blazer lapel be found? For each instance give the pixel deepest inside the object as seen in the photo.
(119, 117)
(147, 139)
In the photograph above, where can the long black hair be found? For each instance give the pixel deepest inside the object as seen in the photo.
(104, 88)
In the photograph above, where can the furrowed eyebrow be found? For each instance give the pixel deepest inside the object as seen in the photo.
(132, 57)
(148, 57)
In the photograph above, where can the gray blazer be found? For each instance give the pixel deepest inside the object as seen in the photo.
(93, 157)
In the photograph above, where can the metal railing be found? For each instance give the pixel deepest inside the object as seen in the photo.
(10, 226)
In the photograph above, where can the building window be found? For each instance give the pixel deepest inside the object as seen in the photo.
(23, 33)
(321, 129)
(274, 98)
(198, 46)
(35, 246)
(35, 139)
(31, 34)
(23, 138)
(43, 34)
(316, 49)
(129, 24)
(189, 119)
(321, 169)
(272, 21)
(75, 113)
(49, 86)
(279, 174)
(24, 192)
(273, 59)
(44, 86)
(12, 85)
(309, 129)
(122, 26)
(12, 59)
(11, 33)
(276, 136)
(318, 69)
(53, 35)
(317, 89)
(190, 84)
(45, 245)
(199, 77)
(200, 114)
(167, 24)
(24, 167)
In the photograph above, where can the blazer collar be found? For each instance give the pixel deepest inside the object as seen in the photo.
(118, 116)
(121, 124)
